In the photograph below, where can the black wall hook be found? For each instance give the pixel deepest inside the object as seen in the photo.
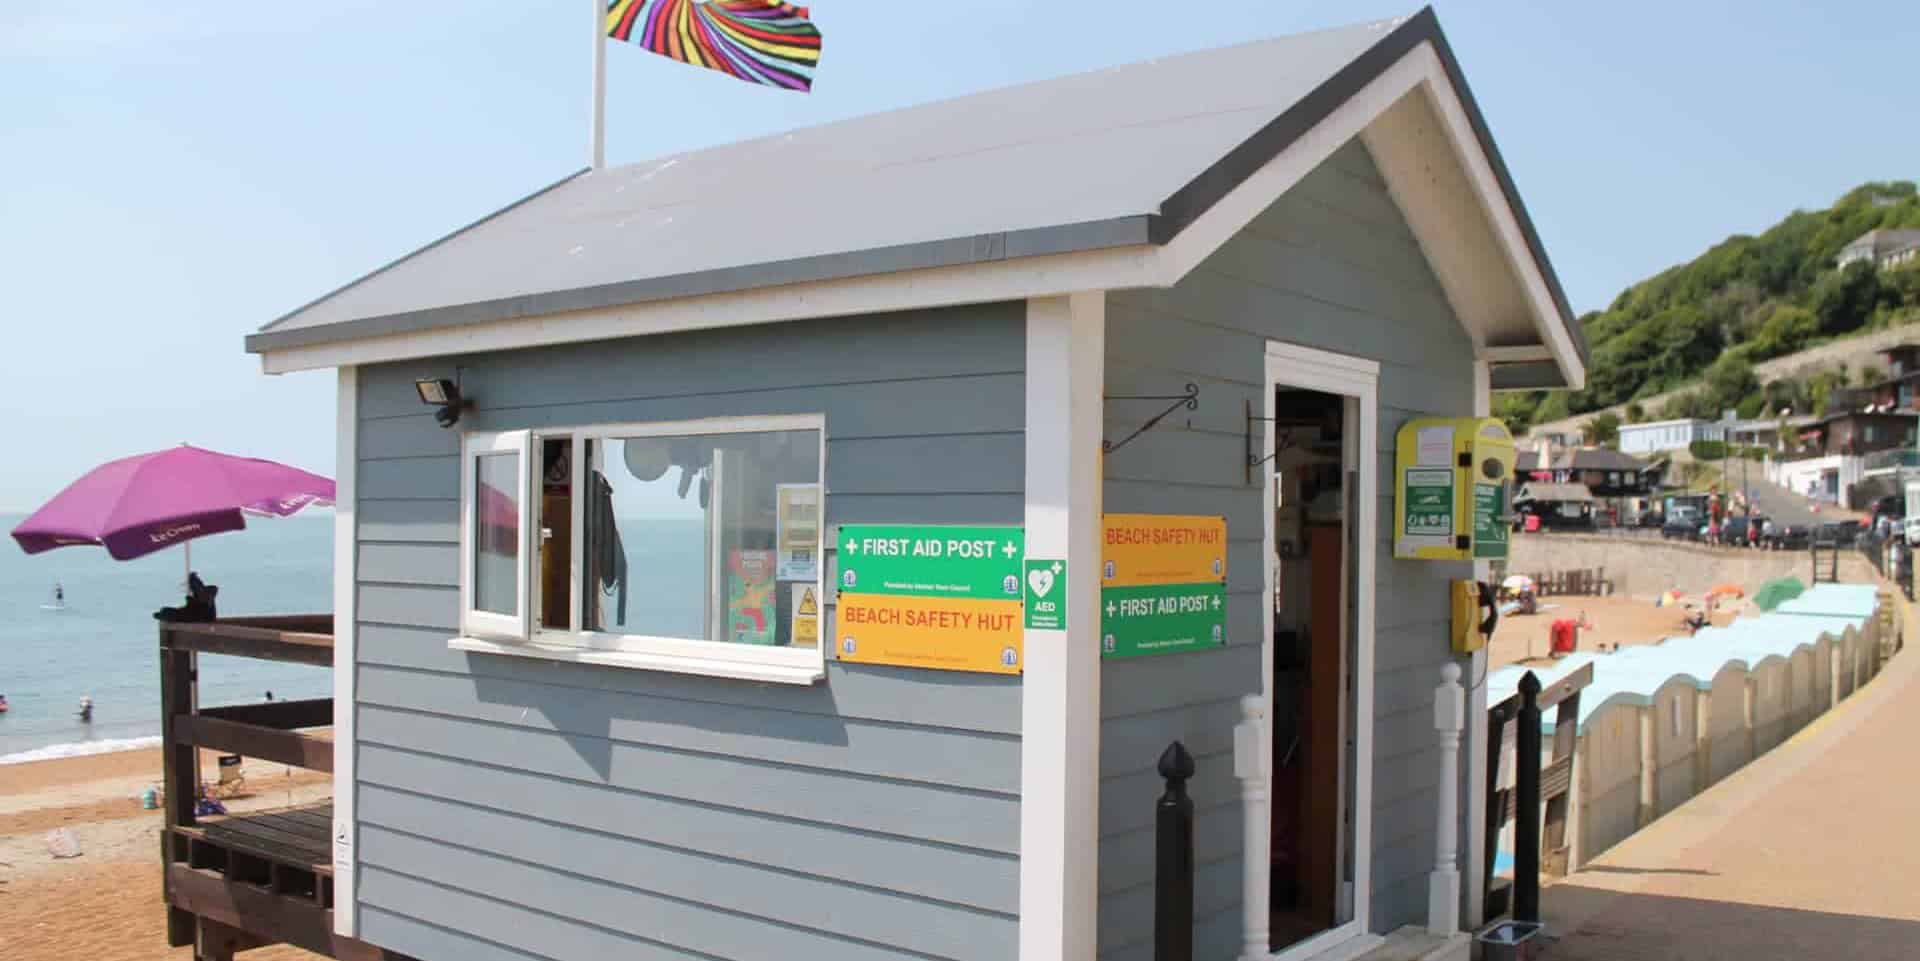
(1190, 400)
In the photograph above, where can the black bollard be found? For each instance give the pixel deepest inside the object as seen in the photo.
(1526, 815)
(1173, 860)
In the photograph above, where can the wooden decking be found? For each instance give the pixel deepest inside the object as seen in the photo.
(241, 881)
(290, 844)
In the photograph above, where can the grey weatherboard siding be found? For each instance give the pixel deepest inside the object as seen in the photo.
(520, 809)
(1331, 265)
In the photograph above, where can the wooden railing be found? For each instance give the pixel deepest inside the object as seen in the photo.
(199, 866)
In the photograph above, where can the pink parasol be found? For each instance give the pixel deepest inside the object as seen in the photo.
(137, 505)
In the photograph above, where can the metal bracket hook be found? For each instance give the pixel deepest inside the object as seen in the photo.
(1190, 400)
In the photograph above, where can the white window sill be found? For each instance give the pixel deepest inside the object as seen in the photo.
(633, 660)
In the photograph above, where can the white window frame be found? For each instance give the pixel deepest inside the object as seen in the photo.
(488, 624)
(787, 665)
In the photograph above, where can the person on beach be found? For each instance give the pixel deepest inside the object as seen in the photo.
(86, 710)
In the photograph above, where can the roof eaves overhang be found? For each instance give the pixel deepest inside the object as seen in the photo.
(1136, 249)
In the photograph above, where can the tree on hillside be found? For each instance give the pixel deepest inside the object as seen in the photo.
(1845, 299)
(1730, 381)
(1772, 294)
(1516, 410)
(1787, 328)
(1636, 414)
(1821, 385)
(1602, 431)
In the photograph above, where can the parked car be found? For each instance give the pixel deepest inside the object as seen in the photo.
(1682, 524)
(1838, 534)
(1891, 505)
(1788, 537)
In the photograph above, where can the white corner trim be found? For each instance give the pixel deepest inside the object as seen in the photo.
(1060, 689)
(1473, 852)
(345, 553)
(1000, 280)
(638, 660)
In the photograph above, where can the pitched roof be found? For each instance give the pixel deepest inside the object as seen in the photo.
(1542, 491)
(1882, 241)
(1599, 458)
(1121, 157)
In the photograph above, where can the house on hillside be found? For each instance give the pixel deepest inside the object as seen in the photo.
(1857, 433)
(1900, 389)
(1660, 435)
(1603, 472)
(621, 663)
(1882, 247)
(1557, 505)
(1774, 435)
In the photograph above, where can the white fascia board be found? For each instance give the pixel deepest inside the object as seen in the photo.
(1022, 279)
(1225, 219)
(1554, 328)
(1421, 66)
(1143, 265)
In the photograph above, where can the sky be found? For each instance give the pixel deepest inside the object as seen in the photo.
(174, 176)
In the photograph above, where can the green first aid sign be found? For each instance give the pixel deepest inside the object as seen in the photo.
(1489, 522)
(1162, 618)
(931, 561)
(1429, 502)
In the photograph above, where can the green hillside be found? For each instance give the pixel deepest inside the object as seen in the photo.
(1746, 300)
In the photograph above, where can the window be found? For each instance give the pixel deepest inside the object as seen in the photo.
(691, 546)
(494, 542)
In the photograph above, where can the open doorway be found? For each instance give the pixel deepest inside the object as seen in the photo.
(1320, 438)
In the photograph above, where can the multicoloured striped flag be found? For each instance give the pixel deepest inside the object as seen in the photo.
(761, 41)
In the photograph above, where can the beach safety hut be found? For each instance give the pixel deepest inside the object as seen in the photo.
(809, 547)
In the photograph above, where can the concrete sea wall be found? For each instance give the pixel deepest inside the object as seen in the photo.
(1642, 565)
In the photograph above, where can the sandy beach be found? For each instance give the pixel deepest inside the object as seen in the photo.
(104, 905)
(1615, 619)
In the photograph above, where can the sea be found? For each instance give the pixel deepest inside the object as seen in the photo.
(104, 644)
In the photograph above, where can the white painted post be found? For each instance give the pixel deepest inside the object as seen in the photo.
(346, 825)
(1060, 690)
(1250, 759)
(1443, 885)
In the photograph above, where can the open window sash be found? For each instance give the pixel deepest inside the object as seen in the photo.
(496, 534)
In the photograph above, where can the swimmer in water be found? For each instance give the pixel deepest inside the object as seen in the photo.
(86, 710)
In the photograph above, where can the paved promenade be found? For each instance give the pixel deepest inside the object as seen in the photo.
(1811, 851)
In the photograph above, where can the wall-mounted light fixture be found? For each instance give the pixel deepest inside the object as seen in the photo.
(444, 395)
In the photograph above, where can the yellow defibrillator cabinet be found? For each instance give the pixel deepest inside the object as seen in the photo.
(1453, 482)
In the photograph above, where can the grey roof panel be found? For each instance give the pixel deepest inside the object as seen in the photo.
(1122, 156)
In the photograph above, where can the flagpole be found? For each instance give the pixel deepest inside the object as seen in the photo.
(597, 137)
